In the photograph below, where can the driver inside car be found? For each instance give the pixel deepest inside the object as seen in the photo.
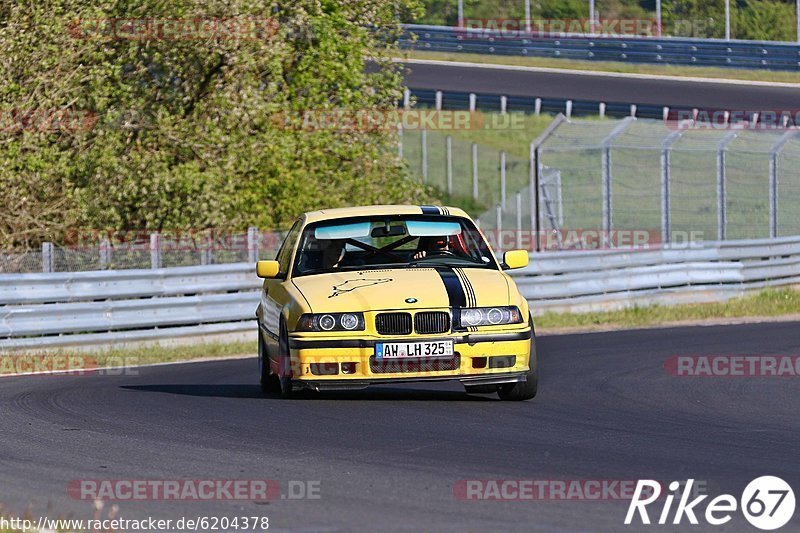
(432, 246)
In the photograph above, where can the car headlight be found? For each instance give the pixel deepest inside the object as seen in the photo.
(490, 316)
(331, 322)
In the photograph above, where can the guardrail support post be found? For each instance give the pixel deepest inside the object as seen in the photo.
(537, 106)
(438, 100)
(475, 171)
(503, 104)
(47, 257)
(503, 179)
(473, 101)
(252, 244)
(602, 109)
(406, 98)
(568, 109)
(449, 150)
(155, 250)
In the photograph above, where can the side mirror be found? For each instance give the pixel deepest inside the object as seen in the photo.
(515, 259)
(267, 269)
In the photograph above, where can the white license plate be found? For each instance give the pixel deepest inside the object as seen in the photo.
(395, 350)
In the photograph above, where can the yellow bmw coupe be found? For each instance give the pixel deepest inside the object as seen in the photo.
(382, 294)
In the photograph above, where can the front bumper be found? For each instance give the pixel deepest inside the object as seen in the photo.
(481, 358)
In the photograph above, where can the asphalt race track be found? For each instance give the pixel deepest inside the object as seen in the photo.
(387, 458)
(660, 92)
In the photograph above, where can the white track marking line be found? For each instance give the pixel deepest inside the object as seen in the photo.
(597, 73)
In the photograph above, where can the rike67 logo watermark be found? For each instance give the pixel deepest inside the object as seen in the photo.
(767, 503)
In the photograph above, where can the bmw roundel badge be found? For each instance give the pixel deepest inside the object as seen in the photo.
(411, 300)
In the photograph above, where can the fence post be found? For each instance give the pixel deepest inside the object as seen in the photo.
(47, 257)
(475, 171)
(424, 142)
(206, 254)
(533, 186)
(498, 213)
(252, 244)
(518, 197)
(104, 250)
(155, 250)
(400, 141)
(606, 170)
(606, 178)
(449, 151)
(503, 179)
(666, 168)
(773, 180)
(722, 194)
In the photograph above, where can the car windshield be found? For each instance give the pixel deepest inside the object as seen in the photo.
(391, 242)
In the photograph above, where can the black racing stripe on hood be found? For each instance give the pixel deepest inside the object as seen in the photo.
(452, 284)
(472, 301)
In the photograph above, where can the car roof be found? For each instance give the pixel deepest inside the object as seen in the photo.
(379, 210)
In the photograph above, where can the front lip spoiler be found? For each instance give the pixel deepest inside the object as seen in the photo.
(469, 338)
(360, 384)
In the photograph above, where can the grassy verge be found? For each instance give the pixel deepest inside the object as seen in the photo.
(64, 359)
(767, 303)
(611, 66)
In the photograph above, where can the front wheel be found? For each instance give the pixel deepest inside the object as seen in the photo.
(524, 390)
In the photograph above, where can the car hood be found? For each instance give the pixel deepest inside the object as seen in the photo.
(408, 288)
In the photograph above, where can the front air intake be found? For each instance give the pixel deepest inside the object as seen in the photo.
(393, 323)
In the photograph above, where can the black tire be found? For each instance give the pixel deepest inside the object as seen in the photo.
(524, 390)
(269, 381)
(285, 382)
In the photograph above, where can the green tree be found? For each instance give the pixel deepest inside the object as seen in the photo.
(182, 132)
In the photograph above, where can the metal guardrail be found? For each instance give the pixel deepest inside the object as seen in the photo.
(673, 51)
(41, 311)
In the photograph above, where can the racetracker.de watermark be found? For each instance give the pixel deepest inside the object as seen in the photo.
(175, 29)
(374, 120)
(551, 489)
(590, 239)
(192, 489)
(69, 364)
(733, 366)
(513, 29)
(733, 119)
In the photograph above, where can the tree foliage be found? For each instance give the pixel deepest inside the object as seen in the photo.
(181, 132)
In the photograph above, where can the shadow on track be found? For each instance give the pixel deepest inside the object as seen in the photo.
(380, 393)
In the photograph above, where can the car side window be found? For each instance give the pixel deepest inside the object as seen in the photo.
(284, 256)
